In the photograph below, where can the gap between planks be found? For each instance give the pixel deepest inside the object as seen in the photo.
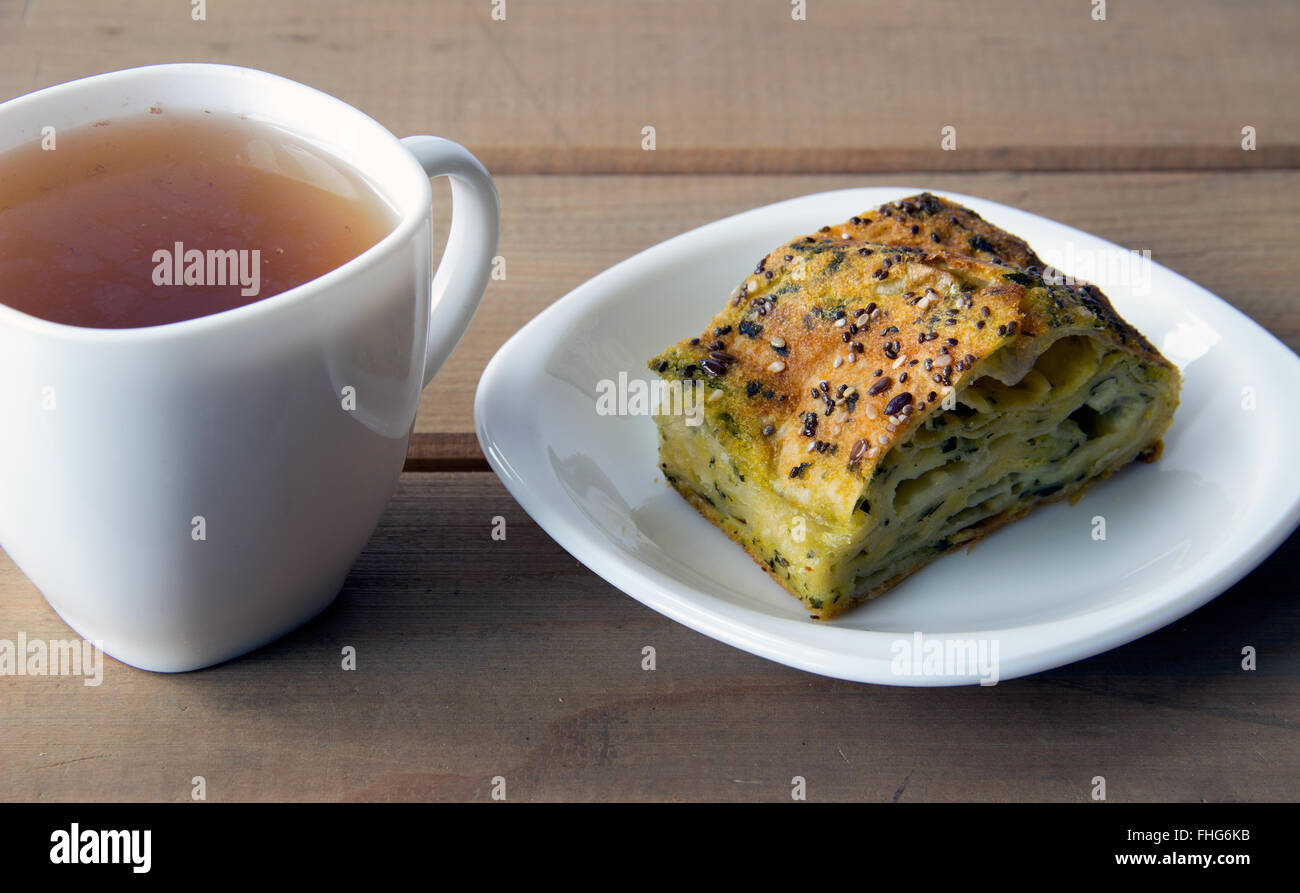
(593, 160)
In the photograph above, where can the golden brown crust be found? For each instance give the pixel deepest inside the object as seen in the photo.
(929, 222)
(841, 343)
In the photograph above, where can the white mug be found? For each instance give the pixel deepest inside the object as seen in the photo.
(185, 493)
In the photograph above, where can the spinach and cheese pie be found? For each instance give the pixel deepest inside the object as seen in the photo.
(893, 387)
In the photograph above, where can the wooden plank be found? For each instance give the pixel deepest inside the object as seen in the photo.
(446, 451)
(1231, 233)
(729, 85)
(479, 657)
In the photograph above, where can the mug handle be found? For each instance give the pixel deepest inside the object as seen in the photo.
(462, 274)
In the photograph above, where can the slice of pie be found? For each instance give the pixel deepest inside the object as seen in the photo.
(894, 387)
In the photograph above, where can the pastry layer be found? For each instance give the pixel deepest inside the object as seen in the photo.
(874, 405)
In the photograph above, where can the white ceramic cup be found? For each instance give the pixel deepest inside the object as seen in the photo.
(185, 493)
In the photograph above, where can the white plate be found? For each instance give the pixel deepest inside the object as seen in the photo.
(1042, 592)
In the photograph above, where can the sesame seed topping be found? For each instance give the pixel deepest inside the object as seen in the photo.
(778, 343)
(776, 366)
(859, 450)
(896, 405)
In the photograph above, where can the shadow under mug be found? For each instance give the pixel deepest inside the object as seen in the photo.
(182, 494)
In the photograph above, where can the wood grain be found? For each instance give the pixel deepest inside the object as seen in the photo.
(478, 658)
(567, 86)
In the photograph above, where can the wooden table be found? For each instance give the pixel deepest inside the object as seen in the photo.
(478, 659)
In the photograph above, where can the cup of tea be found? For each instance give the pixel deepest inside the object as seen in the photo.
(218, 308)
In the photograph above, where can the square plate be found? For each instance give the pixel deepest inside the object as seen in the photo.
(1036, 594)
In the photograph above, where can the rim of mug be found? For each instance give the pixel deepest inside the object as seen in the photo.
(202, 325)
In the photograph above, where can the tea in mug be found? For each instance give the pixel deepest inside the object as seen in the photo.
(162, 217)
